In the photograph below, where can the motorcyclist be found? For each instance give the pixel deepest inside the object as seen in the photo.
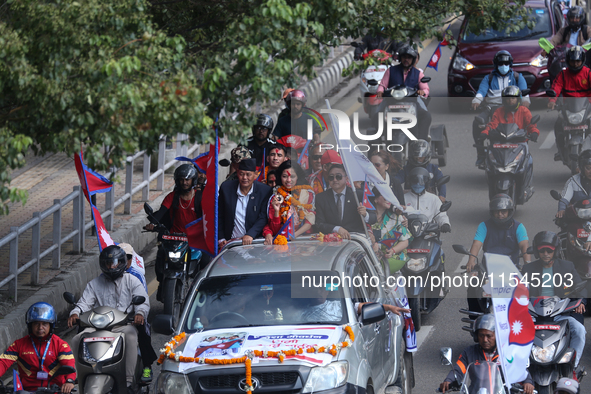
(39, 353)
(491, 87)
(576, 32)
(572, 82)
(296, 122)
(420, 199)
(419, 155)
(114, 288)
(179, 208)
(501, 234)
(546, 246)
(260, 144)
(406, 74)
(485, 350)
(578, 186)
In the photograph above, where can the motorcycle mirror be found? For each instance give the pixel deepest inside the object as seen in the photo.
(425, 79)
(162, 324)
(535, 119)
(525, 92)
(443, 180)
(445, 206)
(138, 300)
(225, 163)
(354, 44)
(148, 209)
(555, 195)
(550, 93)
(69, 297)
(445, 353)
(64, 370)
(461, 249)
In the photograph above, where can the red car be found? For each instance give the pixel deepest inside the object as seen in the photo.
(473, 57)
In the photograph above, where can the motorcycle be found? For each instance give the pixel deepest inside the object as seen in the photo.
(575, 113)
(425, 259)
(181, 265)
(509, 164)
(370, 79)
(51, 388)
(100, 362)
(551, 357)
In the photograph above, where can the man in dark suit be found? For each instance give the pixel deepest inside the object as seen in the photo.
(242, 206)
(548, 270)
(336, 208)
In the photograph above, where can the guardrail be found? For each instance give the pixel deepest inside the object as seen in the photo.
(79, 225)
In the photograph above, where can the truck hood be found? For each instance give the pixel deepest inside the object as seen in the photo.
(482, 54)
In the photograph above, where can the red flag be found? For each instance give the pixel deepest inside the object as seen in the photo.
(293, 141)
(303, 160)
(366, 194)
(196, 236)
(16, 381)
(522, 326)
(434, 62)
(102, 234)
(390, 242)
(209, 202)
(287, 230)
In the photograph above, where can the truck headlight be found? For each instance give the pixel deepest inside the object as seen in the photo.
(416, 264)
(539, 61)
(169, 382)
(462, 64)
(325, 378)
(543, 354)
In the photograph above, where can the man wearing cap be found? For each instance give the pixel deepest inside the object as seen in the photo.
(567, 386)
(319, 179)
(243, 206)
(237, 154)
(259, 145)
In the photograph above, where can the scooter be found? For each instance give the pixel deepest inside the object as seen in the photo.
(100, 362)
(370, 79)
(181, 265)
(509, 164)
(425, 260)
(51, 388)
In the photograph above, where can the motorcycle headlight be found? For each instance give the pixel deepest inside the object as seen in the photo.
(462, 64)
(539, 61)
(584, 213)
(174, 255)
(575, 117)
(566, 357)
(543, 354)
(416, 264)
(176, 383)
(325, 378)
(399, 93)
(101, 321)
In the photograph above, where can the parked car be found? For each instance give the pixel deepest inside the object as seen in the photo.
(252, 296)
(473, 56)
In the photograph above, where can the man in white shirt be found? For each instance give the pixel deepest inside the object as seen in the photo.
(426, 203)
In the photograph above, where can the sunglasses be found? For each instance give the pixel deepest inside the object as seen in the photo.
(339, 177)
(545, 250)
(504, 63)
(316, 157)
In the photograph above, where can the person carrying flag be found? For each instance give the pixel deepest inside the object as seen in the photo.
(546, 246)
(40, 354)
(485, 350)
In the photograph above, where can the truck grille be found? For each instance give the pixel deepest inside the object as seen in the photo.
(231, 381)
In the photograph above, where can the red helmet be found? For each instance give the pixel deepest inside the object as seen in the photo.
(298, 95)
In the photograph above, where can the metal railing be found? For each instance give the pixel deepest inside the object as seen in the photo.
(79, 225)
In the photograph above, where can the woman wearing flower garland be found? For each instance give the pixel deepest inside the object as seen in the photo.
(293, 197)
(391, 231)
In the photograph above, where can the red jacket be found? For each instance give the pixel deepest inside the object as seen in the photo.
(572, 84)
(522, 117)
(23, 352)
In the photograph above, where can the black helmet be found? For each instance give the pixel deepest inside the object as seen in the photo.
(546, 238)
(575, 12)
(573, 54)
(113, 261)
(185, 171)
(511, 91)
(584, 159)
(408, 50)
(40, 311)
(499, 202)
(418, 178)
(419, 149)
(264, 120)
(502, 56)
(484, 322)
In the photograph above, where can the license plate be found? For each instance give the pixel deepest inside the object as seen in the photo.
(398, 106)
(581, 127)
(505, 145)
(99, 339)
(547, 327)
(581, 233)
(417, 250)
(175, 238)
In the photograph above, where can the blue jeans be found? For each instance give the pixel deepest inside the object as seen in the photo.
(577, 335)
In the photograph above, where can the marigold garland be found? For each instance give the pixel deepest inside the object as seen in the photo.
(287, 195)
(280, 240)
(167, 352)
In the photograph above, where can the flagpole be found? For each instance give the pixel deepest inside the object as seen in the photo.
(335, 124)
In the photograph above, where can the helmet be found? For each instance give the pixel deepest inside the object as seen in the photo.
(575, 12)
(584, 159)
(547, 238)
(297, 95)
(113, 261)
(484, 322)
(408, 50)
(511, 91)
(573, 54)
(502, 56)
(40, 311)
(499, 202)
(419, 178)
(264, 120)
(419, 149)
(185, 171)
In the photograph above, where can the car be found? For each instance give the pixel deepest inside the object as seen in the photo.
(473, 57)
(278, 297)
